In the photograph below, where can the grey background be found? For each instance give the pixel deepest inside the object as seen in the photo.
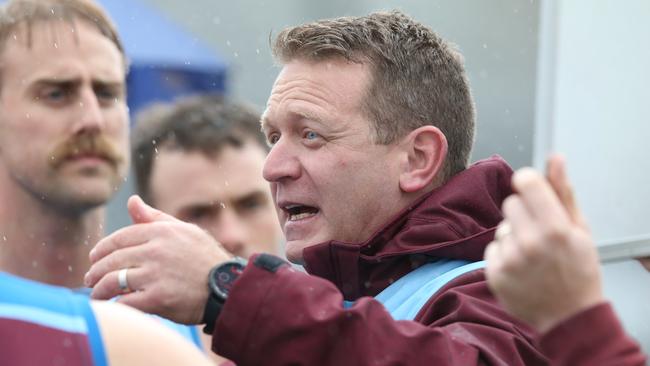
(592, 106)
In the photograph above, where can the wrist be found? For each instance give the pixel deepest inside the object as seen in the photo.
(221, 279)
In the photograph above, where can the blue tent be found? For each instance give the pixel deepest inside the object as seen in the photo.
(165, 60)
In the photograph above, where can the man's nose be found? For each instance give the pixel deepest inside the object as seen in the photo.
(231, 232)
(281, 162)
(90, 114)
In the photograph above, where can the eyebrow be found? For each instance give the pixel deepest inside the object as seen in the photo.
(264, 120)
(76, 81)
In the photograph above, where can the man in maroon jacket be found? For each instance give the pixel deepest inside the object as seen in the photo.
(544, 244)
(371, 124)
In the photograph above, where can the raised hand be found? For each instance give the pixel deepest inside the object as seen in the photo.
(543, 265)
(167, 262)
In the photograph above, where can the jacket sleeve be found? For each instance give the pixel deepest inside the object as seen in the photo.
(286, 317)
(592, 337)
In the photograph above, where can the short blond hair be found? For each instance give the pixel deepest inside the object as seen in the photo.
(16, 13)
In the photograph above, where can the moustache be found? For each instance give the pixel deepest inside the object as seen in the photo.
(95, 145)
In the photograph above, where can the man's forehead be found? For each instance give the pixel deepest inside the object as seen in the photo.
(46, 47)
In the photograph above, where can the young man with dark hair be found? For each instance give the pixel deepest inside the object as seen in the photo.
(200, 160)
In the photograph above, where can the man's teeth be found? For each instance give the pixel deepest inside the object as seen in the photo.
(301, 216)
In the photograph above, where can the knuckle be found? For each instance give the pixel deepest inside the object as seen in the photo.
(557, 233)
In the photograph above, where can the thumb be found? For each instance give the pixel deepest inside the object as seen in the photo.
(141, 212)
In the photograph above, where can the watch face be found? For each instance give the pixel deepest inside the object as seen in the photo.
(225, 276)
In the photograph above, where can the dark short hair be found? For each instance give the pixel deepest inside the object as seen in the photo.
(417, 78)
(17, 13)
(201, 123)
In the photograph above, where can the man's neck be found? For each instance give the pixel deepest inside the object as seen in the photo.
(41, 243)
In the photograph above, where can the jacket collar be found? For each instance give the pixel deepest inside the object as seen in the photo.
(456, 220)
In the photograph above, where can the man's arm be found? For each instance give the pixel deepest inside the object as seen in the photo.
(544, 268)
(288, 317)
(130, 338)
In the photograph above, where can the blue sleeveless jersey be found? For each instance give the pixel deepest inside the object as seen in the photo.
(405, 297)
(190, 333)
(38, 309)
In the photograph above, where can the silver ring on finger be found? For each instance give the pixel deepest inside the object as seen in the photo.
(122, 280)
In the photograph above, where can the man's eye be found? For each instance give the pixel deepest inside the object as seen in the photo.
(311, 135)
(105, 94)
(54, 95)
(273, 139)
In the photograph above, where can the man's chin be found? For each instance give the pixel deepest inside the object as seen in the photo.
(294, 251)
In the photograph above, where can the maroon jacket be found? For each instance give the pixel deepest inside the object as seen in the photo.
(592, 337)
(276, 315)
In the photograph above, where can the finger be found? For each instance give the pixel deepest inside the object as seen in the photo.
(125, 258)
(108, 286)
(539, 198)
(123, 238)
(524, 229)
(140, 212)
(559, 180)
(493, 265)
(517, 215)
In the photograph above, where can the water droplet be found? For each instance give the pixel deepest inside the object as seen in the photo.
(225, 183)
(257, 50)
(4, 238)
(236, 54)
(484, 45)
(223, 205)
(69, 268)
(228, 43)
(56, 45)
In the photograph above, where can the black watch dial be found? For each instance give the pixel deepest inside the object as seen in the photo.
(224, 276)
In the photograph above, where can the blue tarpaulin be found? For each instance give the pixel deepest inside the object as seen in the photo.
(165, 60)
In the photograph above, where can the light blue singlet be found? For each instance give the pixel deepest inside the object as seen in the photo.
(405, 297)
(53, 307)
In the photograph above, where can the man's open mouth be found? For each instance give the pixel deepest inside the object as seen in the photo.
(299, 212)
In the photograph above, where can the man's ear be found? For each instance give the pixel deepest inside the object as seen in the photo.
(426, 150)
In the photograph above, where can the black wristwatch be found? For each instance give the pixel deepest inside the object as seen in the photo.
(220, 281)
